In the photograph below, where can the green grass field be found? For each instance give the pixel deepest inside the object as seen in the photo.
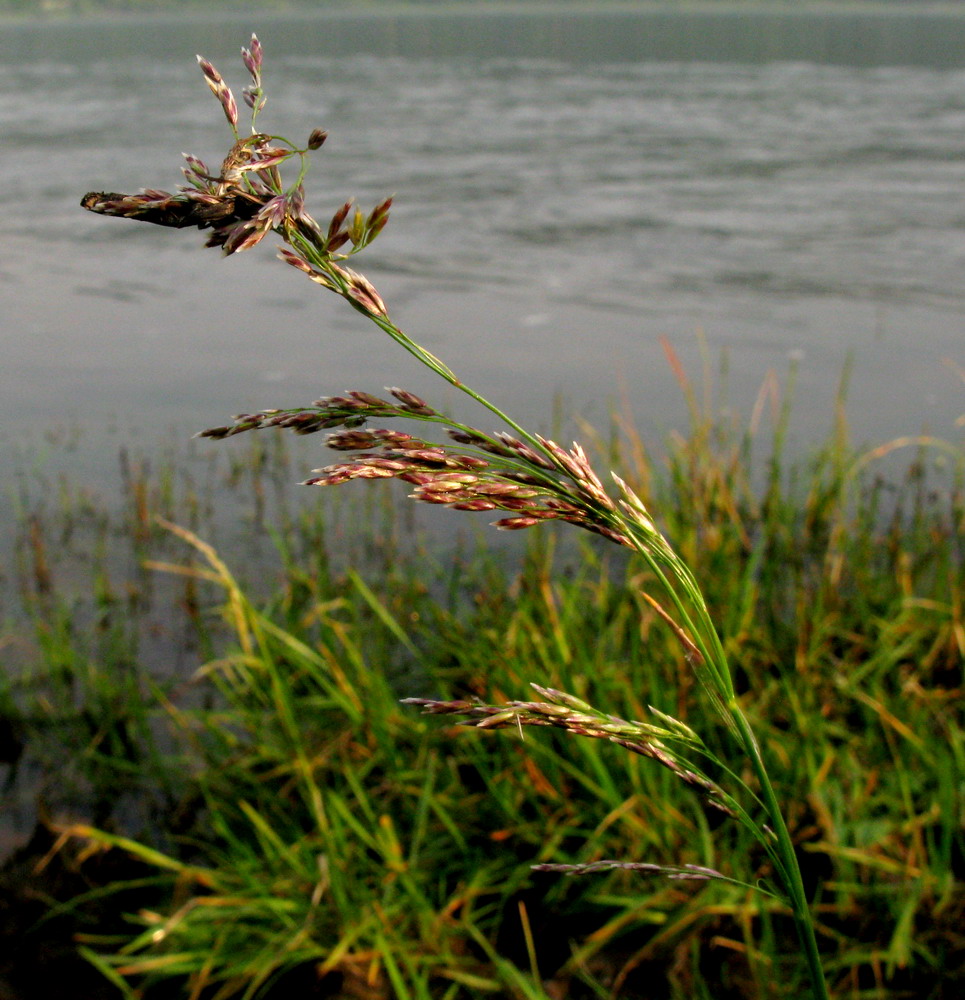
(227, 771)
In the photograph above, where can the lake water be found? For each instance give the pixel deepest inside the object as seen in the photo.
(569, 189)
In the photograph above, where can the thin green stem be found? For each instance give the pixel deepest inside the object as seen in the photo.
(711, 653)
(707, 640)
(785, 853)
(431, 361)
(707, 655)
(322, 260)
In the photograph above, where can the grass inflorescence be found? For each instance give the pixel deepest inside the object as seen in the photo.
(742, 721)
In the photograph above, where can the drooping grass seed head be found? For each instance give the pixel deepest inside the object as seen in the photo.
(516, 523)
(254, 99)
(299, 262)
(317, 137)
(411, 403)
(222, 91)
(252, 57)
(257, 53)
(378, 217)
(361, 292)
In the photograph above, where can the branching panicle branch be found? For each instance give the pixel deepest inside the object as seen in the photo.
(560, 710)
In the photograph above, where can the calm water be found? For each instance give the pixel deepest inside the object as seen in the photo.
(568, 191)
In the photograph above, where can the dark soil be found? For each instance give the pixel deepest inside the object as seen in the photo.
(38, 947)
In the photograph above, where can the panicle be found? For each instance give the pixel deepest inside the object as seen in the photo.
(299, 262)
(516, 523)
(252, 57)
(356, 440)
(241, 202)
(257, 53)
(253, 94)
(254, 98)
(360, 292)
(411, 402)
(564, 711)
(221, 90)
(196, 166)
(695, 872)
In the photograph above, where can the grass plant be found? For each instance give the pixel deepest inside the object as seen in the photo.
(876, 688)
(795, 657)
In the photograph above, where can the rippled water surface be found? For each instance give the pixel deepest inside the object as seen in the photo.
(783, 187)
(558, 211)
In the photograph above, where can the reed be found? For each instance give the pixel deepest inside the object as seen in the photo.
(717, 666)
